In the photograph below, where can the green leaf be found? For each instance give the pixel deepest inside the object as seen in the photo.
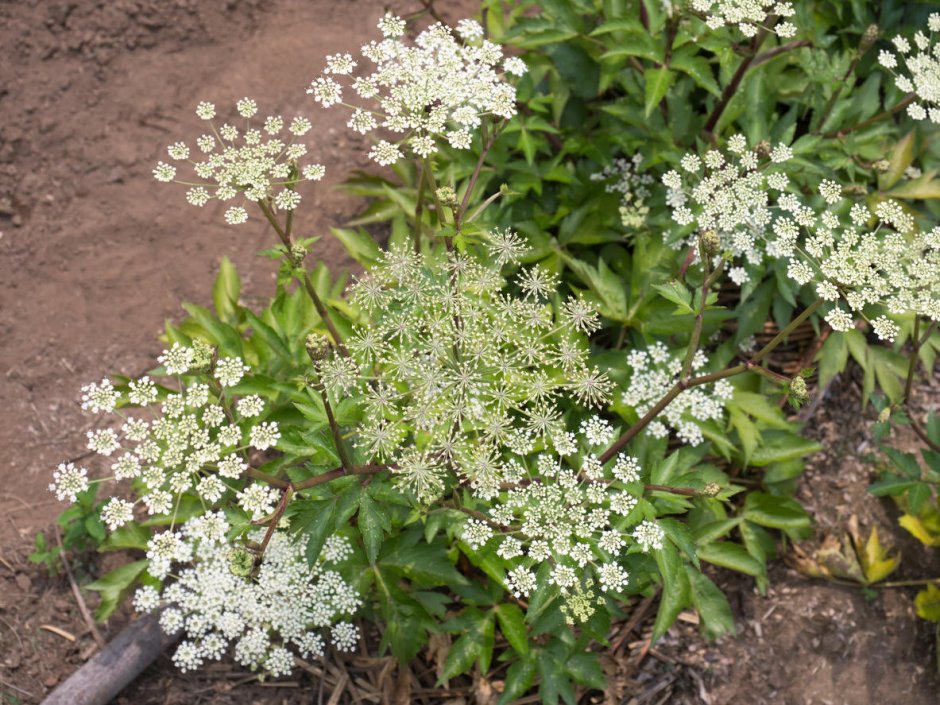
(832, 358)
(658, 83)
(586, 670)
(226, 290)
(681, 536)
(130, 536)
(219, 333)
(519, 678)
(901, 158)
(775, 512)
(676, 292)
(690, 62)
(675, 592)
(266, 333)
(359, 244)
(512, 625)
(465, 650)
(732, 556)
(373, 524)
(711, 604)
(780, 446)
(114, 586)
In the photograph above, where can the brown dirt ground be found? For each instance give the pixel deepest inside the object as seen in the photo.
(94, 256)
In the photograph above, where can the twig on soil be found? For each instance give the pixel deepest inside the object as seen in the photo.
(68, 636)
(82, 607)
(17, 689)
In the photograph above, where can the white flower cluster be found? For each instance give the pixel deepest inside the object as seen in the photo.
(255, 161)
(457, 367)
(264, 618)
(748, 15)
(566, 509)
(654, 372)
(730, 194)
(922, 77)
(193, 439)
(891, 264)
(441, 87)
(622, 177)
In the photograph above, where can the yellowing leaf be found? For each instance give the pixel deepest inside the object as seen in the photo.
(927, 603)
(920, 532)
(876, 563)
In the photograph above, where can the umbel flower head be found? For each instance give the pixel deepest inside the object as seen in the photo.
(566, 513)
(654, 372)
(284, 609)
(258, 161)
(869, 258)
(440, 87)
(920, 74)
(191, 439)
(452, 366)
(748, 15)
(622, 177)
(733, 194)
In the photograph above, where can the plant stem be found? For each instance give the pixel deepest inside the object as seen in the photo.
(682, 385)
(340, 472)
(912, 366)
(487, 146)
(419, 209)
(872, 120)
(699, 316)
(728, 93)
(308, 286)
(270, 479)
(771, 54)
(687, 491)
(272, 525)
(334, 427)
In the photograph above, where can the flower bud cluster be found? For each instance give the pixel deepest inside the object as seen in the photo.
(451, 366)
(561, 508)
(263, 617)
(441, 87)
(922, 64)
(622, 177)
(654, 372)
(255, 161)
(193, 439)
(748, 15)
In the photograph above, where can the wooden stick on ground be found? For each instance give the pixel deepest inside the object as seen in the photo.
(111, 669)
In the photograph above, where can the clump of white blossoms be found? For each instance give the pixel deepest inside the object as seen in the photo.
(922, 75)
(654, 372)
(256, 160)
(730, 194)
(623, 177)
(452, 366)
(193, 439)
(265, 618)
(748, 15)
(891, 264)
(441, 87)
(566, 509)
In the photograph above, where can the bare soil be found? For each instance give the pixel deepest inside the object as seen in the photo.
(94, 256)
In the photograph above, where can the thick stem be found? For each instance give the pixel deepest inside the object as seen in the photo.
(912, 366)
(419, 209)
(728, 93)
(272, 526)
(340, 472)
(334, 427)
(270, 479)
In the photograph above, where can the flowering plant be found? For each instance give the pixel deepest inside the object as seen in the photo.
(548, 390)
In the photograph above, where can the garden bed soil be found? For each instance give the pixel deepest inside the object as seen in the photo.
(94, 256)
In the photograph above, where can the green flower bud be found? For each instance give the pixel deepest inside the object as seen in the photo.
(202, 355)
(869, 38)
(711, 242)
(447, 196)
(712, 489)
(319, 347)
(798, 389)
(240, 562)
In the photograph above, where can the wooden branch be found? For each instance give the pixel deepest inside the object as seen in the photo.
(114, 667)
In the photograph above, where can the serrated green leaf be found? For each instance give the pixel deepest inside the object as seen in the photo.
(512, 625)
(775, 512)
(114, 586)
(658, 83)
(711, 604)
(732, 556)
